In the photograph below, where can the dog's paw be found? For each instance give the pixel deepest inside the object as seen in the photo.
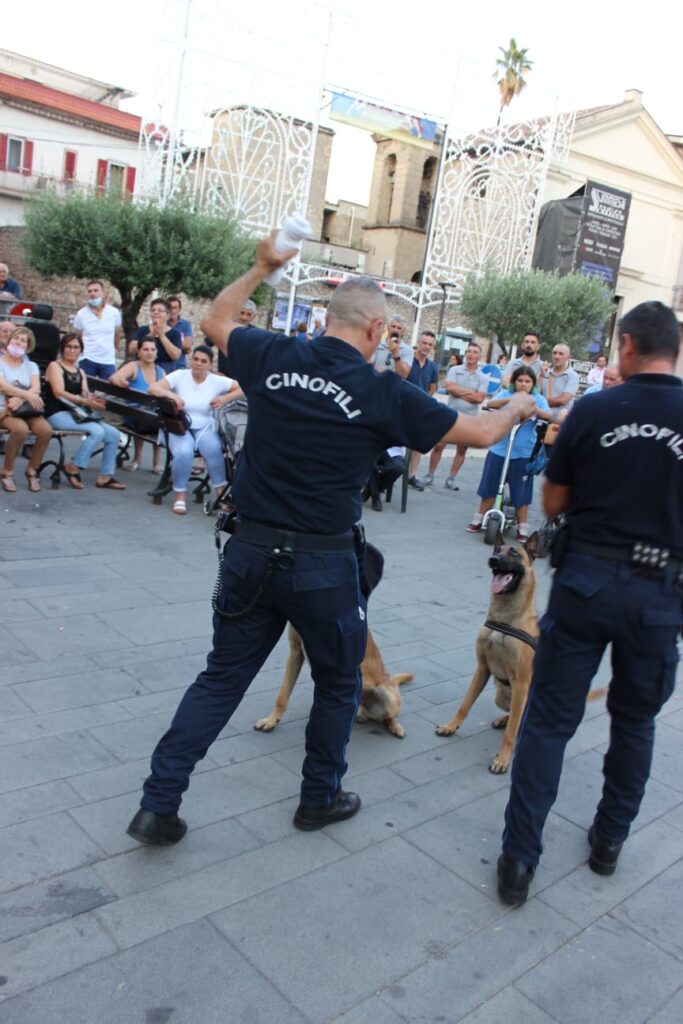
(498, 766)
(446, 730)
(266, 724)
(500, 723)
(396, 729)
(361, 715)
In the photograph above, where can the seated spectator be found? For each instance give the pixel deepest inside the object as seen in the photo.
(138, 375)
(386, 470)
(7, 283)
(169, 341)
(20, 383)
(520, 481)
(65, 383)
(6, 328)
(198, 392)
(176, 321)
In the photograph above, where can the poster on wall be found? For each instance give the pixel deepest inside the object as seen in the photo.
(602, 229)
(300, 314)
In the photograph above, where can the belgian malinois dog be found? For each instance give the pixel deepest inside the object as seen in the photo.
(380, 697)
(508, 658)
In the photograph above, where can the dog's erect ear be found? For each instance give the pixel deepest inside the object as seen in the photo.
(531, 545)
(499, 542)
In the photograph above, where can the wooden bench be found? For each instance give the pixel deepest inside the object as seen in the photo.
(57, 464)
(145, 417)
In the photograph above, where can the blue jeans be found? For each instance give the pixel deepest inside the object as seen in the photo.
(97, 434)
(320, 595)
(208, 444)
(594, 602)
(93, 369)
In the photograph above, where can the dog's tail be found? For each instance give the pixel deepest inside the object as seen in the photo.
(597, 694)
(400, 678)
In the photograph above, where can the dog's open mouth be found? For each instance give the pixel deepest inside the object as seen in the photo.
(502, 581)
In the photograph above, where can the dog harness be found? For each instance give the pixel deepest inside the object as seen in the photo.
(519, 634)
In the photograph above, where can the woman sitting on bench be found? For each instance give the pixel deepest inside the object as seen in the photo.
(66, 384)
(198, 393)
(20, 386)
(138, 375)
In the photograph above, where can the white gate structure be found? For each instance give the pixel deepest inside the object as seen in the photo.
(258, 166)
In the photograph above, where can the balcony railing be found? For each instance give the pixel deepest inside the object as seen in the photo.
(21, 185)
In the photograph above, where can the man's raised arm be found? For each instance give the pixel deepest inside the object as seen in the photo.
(483, 431)
(222, 315)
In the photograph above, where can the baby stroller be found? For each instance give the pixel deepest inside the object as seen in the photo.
(231, 424)
(503, 515)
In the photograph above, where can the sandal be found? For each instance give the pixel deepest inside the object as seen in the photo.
(74, 479)
(113, 484)
(158, 470)
(179, 507)
(8, 484)
(130, 467)
(33, 481)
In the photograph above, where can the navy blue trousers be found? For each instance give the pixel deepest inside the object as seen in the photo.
(320, 595)
(593, 603)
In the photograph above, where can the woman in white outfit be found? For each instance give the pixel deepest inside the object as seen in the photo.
(198, 392)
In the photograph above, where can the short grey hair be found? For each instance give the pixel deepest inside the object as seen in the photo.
(250, 305)
(399, 320)
(357, 302)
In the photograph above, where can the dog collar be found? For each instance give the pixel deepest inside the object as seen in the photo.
(519, 634)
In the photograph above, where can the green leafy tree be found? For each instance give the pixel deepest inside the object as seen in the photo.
(568, 309)
(137, 248)
(511, 67)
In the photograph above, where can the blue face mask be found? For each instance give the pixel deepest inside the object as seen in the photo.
(95, 302)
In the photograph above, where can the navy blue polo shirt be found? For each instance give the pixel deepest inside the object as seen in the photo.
(162, 360)
(621, 454)
(423, 376)
(319, 416)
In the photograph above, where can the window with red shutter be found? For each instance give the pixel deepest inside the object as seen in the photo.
(3, 152)
(70, 162)
(130, 180)
(101, 182)
(27, 162)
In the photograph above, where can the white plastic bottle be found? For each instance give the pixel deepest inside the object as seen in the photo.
(291, 235)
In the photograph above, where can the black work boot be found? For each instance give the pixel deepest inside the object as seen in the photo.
(344, 805)
(152, 829)
(604, 854)
(514, 879)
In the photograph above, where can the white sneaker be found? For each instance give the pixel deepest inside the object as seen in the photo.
(451, 484)
(427, 479)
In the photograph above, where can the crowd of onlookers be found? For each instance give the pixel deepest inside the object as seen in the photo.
(164, 361)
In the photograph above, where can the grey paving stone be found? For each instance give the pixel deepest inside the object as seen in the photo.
(188, 976)
(136, 918)
(52, 757)
(11, 675)
(373, 1010)
(31, 960)
(458, 979)
(583, 896)
(43, 847)
(44, 903)
(104, 600)
(12, 650)
(40, 575)
(147, 867)
(468, 842)
(121, 778)
(573, 978)
(58, 722)
(71, 691)
(666, 758)
(449, 754)
(656, 910)
(16, 610)
(77, 634)
(581, 790)
(35, 801)
(147, 652)
(169, 673)
(214, 795)
(378, 913)
(510, 1006)
(671, 1012)
(12, 706)
(163, 622)
(247, 745)
(134, 738)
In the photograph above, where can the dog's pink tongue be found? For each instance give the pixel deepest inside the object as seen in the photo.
(500, 582)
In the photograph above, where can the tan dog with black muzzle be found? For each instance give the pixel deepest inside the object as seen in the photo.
(505, 645)
(380, 697)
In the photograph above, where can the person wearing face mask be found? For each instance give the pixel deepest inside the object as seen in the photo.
(99, 326)
(529, 358)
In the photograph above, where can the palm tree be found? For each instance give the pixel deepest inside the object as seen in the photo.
(512, 67)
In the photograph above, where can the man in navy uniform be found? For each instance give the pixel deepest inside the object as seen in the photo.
(319, 416)
(617, 473)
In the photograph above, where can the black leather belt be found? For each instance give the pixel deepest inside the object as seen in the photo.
(638, 556)
(287, 540)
